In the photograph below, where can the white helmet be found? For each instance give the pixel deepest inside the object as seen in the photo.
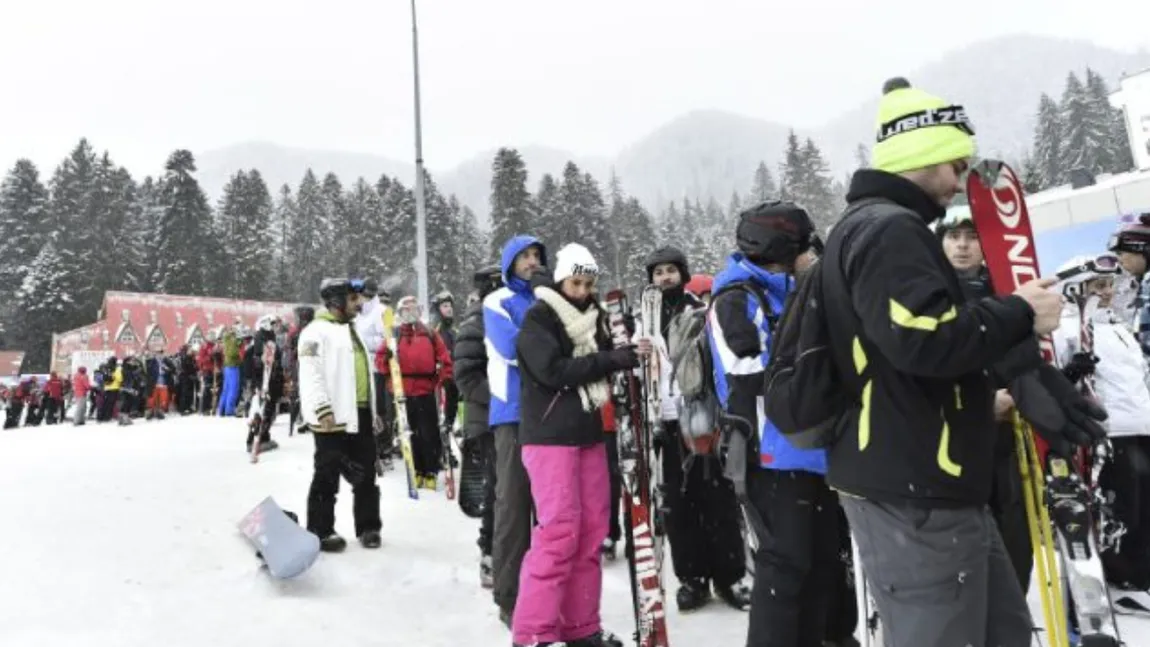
(265, 323)
(1076, 272)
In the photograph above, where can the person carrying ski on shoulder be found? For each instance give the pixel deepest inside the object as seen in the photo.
(914, 460)
(470, 359)
(336, 400)
(797, 561)
(1117, 377)
(962, 248)
(702, 513)
(565, 357)
(424, 364)
(503, 310)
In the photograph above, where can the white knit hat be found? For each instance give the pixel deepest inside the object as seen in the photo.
(574, 260)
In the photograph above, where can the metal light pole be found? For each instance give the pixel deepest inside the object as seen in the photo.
(420, 204)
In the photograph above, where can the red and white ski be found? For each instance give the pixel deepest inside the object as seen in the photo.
(635, 459)
(998, 208)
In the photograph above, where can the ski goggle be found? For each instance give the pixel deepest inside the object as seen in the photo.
(357, 285)
(1126, 242)
(1103, 265)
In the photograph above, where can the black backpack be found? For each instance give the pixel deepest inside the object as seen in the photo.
(807, 390)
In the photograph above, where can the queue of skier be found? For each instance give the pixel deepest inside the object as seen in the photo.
(919, 467)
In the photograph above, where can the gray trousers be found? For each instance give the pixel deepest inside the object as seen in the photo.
(940, 577)
(511, 536)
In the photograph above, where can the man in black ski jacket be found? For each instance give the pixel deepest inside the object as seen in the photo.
(915, 460)
(703, 515)
(469, 356)
(444, 305)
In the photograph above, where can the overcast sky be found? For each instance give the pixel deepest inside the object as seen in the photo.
(142, 77)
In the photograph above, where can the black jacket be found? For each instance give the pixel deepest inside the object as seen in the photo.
(550, 409)
(469, 357)
(924, 431)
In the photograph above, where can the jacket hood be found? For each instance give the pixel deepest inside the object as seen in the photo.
(869, 183)
(511, 249)
(738, 268)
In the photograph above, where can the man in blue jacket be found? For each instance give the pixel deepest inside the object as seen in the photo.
(503, 312)
(798, 559)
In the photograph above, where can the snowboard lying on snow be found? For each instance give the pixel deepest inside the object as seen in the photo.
(285, 548)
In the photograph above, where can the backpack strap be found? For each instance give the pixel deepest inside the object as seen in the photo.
(749, 287)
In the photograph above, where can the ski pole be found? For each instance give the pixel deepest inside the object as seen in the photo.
(1041, 541)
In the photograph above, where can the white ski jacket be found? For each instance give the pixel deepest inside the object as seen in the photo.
(327, 375)
(1119, 378)
(369, 325)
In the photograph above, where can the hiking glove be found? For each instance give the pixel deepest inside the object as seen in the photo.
(1080, 365)
(1062, 416)
(623, 358)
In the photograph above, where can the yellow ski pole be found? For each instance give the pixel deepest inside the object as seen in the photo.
(1041, 539)
(1048, 544)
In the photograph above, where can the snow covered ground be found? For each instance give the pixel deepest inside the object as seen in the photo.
(126, 537)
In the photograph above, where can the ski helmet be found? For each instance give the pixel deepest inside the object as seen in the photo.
(955, 217)
(442, 297)
(1076, 272)
(1133, 238)
(334, 293)
(700, 284)
(487, 279)
(672, 255)
(775, 231)
(265, 322)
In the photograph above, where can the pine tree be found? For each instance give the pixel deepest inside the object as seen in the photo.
(148, 214)
(70, 217)
(511, 210)
(283, 268)
(399, 223)
(43, 306)
(364, 211)
(792, 170)
(23, 206)
(862, 157)
(548, 215)
(131, 247)
(820, 197)
(243, 225)
(1029, 174)
(1048, 132)
(187, 247)
(1084, 136)
(734, 207)
(443, 262)
(310, 239)
(1115, 155)
(763, 188)
(472, 246)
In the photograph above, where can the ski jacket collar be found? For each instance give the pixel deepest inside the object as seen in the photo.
(738, 268)
(869, 183)
(511, 249)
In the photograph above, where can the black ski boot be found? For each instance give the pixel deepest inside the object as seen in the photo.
(486, 573)
(693, 594)
(505, 616)
(333, 543)
(607, 550)
(371, 539)
(601, 638)
(737, 595)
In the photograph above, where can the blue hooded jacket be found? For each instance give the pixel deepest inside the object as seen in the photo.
(503, 312)
(740, 343)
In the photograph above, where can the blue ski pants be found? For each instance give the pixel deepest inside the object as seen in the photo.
(231, 392)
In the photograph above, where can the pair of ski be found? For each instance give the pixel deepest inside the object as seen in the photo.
(637, 419)
(256, 417)
(403, 429)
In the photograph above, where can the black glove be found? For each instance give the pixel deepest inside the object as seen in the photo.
(1062, 416)
(623, 358)
(1080, 365)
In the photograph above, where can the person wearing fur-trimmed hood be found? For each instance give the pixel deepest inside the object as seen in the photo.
(565, 357)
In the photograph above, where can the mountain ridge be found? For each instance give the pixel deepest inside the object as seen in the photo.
(708, 153)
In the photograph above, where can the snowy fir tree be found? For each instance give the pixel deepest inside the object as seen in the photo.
(1047, 155)
(148, 213)
(820, 197)
(243, 225)
(1115, 155)
(1084, 135)
(763, 187)
(547, 212)
(398, 219)
(862, 157)
(310, 242)
(511, 209)
(443, 242)
(23, 202)
(187, 248)
(364, 206)
(471, 246)
(42, 303)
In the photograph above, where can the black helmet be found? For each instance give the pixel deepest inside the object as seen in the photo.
(367, 287)
(1134, 238)
(334, 292)
(672, 255)
(774, 232)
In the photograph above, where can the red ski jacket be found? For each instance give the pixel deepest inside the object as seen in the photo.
(423, 360)
(54, 388)
(80, 384)
(204, 360)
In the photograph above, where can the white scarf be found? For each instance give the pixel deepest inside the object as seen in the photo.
(581, 328)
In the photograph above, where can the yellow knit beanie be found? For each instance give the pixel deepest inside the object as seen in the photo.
(917, 130)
